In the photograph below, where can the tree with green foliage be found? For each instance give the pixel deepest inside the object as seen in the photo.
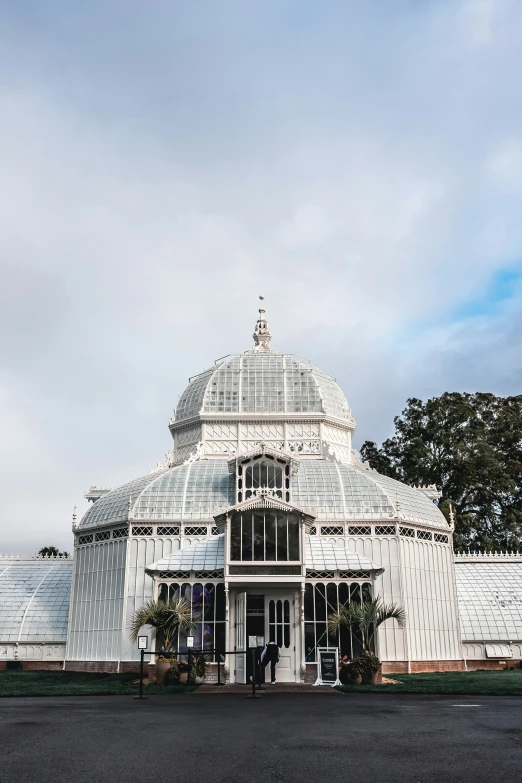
(470, 447)
(52, 551)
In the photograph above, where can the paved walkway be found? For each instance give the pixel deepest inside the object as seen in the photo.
(360, 738)
(267, 689)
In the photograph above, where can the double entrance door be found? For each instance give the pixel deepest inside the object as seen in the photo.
(271, 616)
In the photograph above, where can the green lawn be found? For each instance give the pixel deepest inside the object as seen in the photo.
(55, 683)
(494, 683)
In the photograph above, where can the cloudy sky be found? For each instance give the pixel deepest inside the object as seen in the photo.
(163, 163)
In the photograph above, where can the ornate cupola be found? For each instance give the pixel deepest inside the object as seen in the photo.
(262, 334)
(262, 396)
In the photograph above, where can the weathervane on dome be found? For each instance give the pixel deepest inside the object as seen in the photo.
(261, 334)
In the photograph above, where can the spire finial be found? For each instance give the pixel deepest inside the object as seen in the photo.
(262, 334)
(74, 515)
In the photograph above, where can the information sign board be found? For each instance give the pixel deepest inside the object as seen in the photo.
(327, 666)
(190, 642)
(260, 641)
(143, 642)
(252, 641)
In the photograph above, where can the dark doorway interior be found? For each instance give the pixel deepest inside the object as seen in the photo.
(255, 624)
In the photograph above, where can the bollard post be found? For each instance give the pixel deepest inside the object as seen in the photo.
(218, 683)
(253, 695)
(141, 696)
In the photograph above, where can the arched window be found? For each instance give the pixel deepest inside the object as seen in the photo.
(321, 600)
(207, 604)
(263, 475)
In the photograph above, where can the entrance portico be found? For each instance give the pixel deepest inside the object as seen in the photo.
(273, 613)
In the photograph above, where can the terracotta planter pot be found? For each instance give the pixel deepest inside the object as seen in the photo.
(355, 680)
(161, 668)
(183, 678)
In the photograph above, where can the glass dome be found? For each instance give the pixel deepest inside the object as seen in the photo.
(263, 382)
(200, 489)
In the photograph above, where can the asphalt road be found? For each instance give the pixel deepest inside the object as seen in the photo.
(366, 738)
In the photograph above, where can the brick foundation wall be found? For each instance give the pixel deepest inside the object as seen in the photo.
(417, 667)
(37, 665)
(103, 666)
(505, 663)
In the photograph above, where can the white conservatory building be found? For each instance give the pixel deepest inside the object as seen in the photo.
(265, 520)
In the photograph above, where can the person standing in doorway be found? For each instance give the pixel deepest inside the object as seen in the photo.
(270, 655)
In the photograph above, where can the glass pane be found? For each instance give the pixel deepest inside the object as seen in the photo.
(293, 537)
(309, 640)
(286, 626)
(279, 626)
(320, 602)
(163, 593)
(209, 602)
(367, 591)
(343, 594)
(259, 536)
(235, 537)
(197, 601)
(220, 602)
(246, 538)
(270, 534)
(282, 548)
(355, 592)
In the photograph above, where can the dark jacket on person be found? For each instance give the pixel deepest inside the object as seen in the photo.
(270, 653)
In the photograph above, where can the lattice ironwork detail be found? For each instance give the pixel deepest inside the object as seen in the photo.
(384, 530)
(85, 539)
(440, 538)
(195, 531)
(214, 530)
(208, 574)
(103, 536)
(174, 575)
(320, 574)
(142, 531)
(424, 535)
(120, 532)
(355, 574)
(332, 530)
(312, 531)
(168, 531)
(409, 532)
(358, 530)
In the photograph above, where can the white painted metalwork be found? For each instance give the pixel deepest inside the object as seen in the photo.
(206, 555)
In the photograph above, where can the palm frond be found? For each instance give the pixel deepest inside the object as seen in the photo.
(364, 618)
(166, 616)
(151, 613)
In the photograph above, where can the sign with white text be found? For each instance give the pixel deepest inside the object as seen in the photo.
(327, 666)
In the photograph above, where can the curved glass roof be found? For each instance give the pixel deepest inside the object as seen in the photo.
(489, 599)
(198, 490)
(114, 506)
(34, 596)
(268, 382)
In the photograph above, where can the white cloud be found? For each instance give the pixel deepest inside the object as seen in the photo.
(357, 164)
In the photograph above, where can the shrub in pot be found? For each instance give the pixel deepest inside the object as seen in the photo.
(199, 670)
(368, 666)
(172, 676)
(161, 668)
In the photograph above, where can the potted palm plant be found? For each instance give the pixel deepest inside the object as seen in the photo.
(364, 619)
(167, 617)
